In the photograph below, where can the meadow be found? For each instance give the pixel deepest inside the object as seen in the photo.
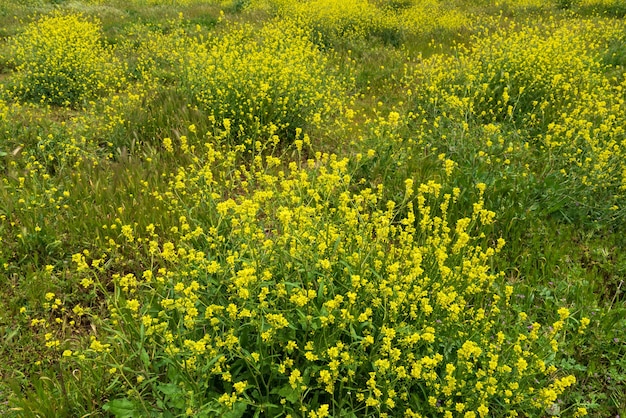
(312, 208)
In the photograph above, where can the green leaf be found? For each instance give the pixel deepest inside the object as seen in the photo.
(289, 393)
(169, 389)
(173, 394)
(121, 408)
(145, 359)
(10, 334)
(237, 412)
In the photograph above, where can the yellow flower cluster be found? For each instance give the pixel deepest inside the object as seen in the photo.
(553, 81)
(333, 19)
(60, 59)
(428, 17)
(603, 7)
(314, 287)
(4, 111)
(388, 20)
(264, 82)
(282, 279)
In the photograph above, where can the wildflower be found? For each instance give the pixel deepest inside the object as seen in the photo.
(167, 144)
(580, 412)
(584, 323)
(240, 387)
(295, 378)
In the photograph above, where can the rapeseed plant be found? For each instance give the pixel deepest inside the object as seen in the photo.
(428, 17)
(361, 19)
(333, 20)
(60, 59)
(264, 82)
(229, 267)
(552, 81)
(299, 294)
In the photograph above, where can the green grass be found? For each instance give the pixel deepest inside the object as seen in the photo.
(561, 250)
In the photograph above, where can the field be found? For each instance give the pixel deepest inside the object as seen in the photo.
(316, 208)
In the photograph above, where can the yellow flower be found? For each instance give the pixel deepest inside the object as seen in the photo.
(295, 378)
(133, 305)
(167, 144)
(580, 412)
(240, 387)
